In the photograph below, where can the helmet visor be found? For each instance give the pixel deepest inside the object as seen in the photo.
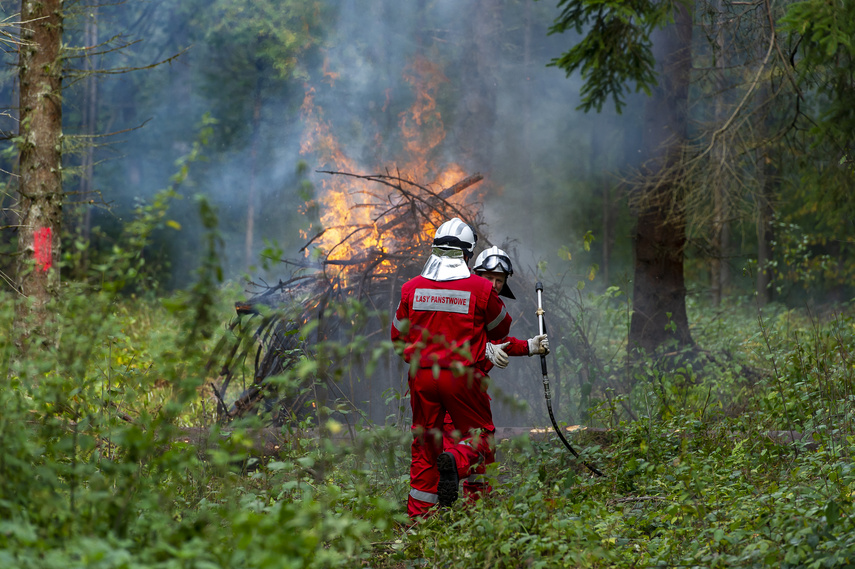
(496, 263)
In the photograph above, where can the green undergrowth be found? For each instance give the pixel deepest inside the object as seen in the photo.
(737, 455)
(96, 470)
(758, 474)
(678, 494)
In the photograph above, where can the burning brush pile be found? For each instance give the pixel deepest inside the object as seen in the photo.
(384, 240)
(375, 233)
(366, 260)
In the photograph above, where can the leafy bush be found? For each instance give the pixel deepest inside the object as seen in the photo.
(98, 467)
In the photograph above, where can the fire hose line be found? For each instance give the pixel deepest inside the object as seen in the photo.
(541, 324)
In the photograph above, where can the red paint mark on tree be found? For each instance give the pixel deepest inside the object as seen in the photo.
(42, 248)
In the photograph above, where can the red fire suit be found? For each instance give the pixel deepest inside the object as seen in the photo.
(473, 487)
(444, 327)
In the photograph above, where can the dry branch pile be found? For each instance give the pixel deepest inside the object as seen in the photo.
(404, 215)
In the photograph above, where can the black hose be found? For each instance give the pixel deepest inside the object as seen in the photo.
(555, 423)
(546, 391)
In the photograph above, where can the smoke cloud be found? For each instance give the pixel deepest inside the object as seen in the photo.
(477, 72)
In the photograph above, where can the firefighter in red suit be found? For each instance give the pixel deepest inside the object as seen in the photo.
(441, 327)
(494, 265)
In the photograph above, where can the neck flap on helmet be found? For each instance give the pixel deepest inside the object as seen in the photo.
(445, 265)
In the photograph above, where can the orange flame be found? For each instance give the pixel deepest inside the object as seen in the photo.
(349, 230)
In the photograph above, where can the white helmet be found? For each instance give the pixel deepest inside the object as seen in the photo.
(495, 260)
(455, 234)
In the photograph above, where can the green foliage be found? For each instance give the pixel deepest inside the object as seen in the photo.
(99, 467)
(820, 198)
(110, 458)
(275, 33)
(129, 261)
(802, 261)
(252, 52)
(616, 48)
(740, 455)
(825, 31)
(684, 492)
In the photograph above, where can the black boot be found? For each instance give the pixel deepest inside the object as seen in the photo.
(448, 479)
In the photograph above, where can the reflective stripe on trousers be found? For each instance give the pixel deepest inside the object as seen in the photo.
(424, 496)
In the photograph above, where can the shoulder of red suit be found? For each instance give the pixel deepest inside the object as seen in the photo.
(473, 278)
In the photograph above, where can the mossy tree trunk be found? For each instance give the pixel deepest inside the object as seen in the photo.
(40, 161)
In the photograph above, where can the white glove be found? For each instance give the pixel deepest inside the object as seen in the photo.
(497, 355)
(538, 345)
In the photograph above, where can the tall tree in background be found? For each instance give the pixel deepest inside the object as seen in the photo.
(89, 118)
(824, 32)
(719, 268)
(766, 168)
(477, 103)
(822, 66)
(258, 44)
(40, 161)
(659, 290)
(744, 109)
(617, 49)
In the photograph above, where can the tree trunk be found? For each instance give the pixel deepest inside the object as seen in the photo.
(477, 103)
(767, 173)
(89, 122)
(659, 292)
(600, 149)
(607, 232)
(525, 105)
(40, 161)
(253, 164)
(720, 277)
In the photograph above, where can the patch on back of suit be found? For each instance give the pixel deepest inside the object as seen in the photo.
(442, 300)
